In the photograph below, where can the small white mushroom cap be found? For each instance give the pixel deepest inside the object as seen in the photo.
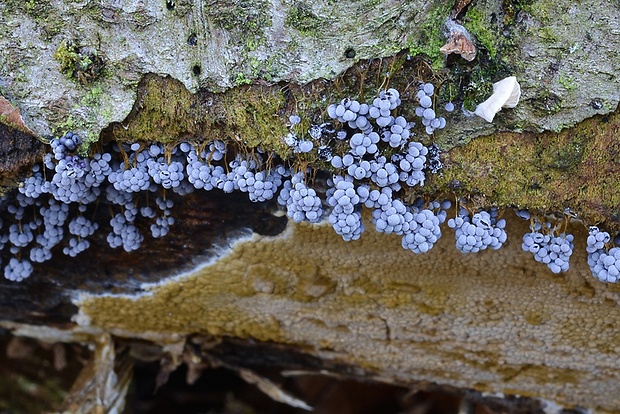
(506, 94)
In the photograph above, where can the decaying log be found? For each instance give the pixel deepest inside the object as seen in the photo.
(496, 321)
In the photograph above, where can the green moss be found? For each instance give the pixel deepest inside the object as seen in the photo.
(242, 80)
(567, 82)
(169, 113)
(300, 17)
(79, 63)
(165, 106)
(546, 172)
(479, 24)
(67, 56)
(251, 117)
(569, 155)
(431, 37)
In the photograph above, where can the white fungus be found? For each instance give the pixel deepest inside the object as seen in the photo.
(506, 94)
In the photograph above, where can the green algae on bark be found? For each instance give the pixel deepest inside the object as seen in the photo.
(252, 116)
(576, 169)
(548, 172)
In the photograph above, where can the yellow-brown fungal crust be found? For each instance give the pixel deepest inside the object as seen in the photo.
(495, 319)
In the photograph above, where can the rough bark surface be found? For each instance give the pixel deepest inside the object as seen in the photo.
(75, 65)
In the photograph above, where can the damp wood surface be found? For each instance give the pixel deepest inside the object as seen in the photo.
(496, 321)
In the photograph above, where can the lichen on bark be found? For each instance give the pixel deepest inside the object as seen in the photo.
(223, 44)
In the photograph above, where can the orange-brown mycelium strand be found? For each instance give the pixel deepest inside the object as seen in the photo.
(496, 320)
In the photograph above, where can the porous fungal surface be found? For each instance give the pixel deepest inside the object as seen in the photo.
(495, 320)
(75, 66)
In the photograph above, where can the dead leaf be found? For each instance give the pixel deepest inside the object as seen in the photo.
(271, 389)
(102, 384)
(459, 41)
(11, 116)
(460, 44)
